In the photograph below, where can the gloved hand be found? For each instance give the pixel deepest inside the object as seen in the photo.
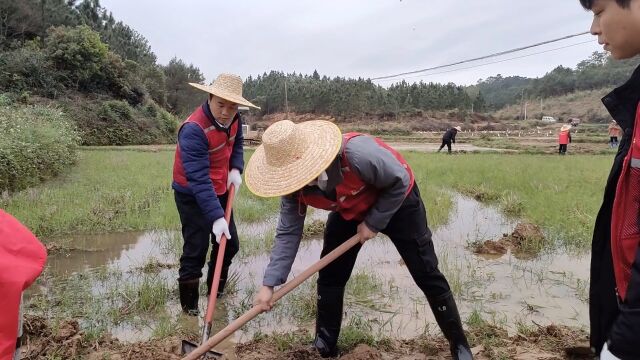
(606, 354)
(220, 227)
(234, 178)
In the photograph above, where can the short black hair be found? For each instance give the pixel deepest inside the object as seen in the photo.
(587, 4)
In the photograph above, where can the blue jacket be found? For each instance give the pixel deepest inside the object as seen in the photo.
(194, 153)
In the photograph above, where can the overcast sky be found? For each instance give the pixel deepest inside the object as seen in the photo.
(359, 38)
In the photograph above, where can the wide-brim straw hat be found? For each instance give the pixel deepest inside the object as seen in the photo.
(565, 127)
(228, 87)
(458, 128)
(291, 156)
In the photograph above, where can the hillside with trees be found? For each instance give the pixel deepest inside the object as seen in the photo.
(597, 72)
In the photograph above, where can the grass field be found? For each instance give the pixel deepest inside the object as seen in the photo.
(130, 190)
(562, 194)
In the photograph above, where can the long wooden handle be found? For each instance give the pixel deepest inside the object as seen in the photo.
(211, 307)
(284, 290)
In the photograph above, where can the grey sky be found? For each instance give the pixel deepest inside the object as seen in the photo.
(355, 38)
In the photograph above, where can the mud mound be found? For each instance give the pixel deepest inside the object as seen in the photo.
(363, 352)
(526, 240)
(525, 233)
(67, 341)
(490, 247)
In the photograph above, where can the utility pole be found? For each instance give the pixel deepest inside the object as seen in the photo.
(525, 110)
(286, 98)
(522, 105)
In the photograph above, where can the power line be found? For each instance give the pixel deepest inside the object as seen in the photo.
(483, 57)
(493, 62)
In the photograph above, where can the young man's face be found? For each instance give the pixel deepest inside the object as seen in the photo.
(223, 110)
(617, 28)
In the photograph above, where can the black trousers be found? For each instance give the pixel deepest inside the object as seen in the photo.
(445, 142)
(196, 232)
(562, 149)
(409, 233)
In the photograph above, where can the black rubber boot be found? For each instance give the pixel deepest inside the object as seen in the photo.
(224, 273)
(446, 312)
(189, 296)
(328, 320)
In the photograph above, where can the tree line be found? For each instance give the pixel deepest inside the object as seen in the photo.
(53, 47)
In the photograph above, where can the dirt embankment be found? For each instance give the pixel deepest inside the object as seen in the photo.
(390, 124)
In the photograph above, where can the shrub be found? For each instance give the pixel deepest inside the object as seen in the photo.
(38, 143)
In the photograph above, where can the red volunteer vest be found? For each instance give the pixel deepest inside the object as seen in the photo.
(563, 138)
(22, 258)
(625, 226)
(220, 149)
(354, 197)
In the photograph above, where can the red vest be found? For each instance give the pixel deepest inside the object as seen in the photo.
(563, 138)
(220, 149)
(354, 198)
(625, 229)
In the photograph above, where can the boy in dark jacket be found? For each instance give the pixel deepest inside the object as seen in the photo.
(208, 159)
(614, 296)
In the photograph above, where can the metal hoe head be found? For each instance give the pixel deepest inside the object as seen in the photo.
(188, 346)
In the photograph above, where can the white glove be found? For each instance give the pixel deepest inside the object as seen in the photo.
(606, 354)
(220, 227)
(234, 178)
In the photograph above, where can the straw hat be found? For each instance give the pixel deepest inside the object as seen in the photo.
(458, 128)
(565, 127)
(228, 87)
(291, 156)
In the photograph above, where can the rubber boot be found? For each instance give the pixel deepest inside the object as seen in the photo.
(328, 320)
(446, 312)
(224, 273)
(189, 296)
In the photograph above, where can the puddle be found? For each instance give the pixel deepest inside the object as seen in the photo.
(507, 290)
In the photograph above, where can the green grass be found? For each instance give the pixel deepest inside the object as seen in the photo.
(130, 190)
(561, 194)
(114, 191)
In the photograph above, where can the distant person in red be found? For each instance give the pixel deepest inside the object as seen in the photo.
(564, 139)
(22, 258)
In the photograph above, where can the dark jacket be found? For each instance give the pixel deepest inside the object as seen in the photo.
(194, 151)
(450, 135)
(617, 324)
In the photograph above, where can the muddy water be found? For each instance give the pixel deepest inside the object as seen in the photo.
(508, 290)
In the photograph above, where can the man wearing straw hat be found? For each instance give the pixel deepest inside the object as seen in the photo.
(564, 139)
(208, 159)
(449, 137)
(369, 188)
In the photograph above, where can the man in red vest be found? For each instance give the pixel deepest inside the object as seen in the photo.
(22, 258)
(369, 188)
(614, 296)
(208, 159)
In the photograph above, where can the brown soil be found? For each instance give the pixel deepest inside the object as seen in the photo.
(490, 342)
(68, 342)
(519, 241)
